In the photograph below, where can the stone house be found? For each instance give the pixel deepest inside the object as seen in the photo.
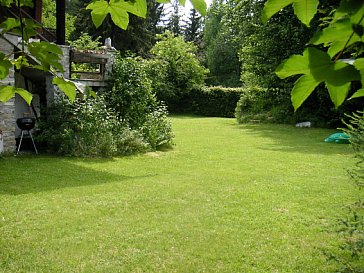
(39, 83)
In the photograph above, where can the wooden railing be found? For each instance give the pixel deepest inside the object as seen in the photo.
(43, 33)
(94, 65)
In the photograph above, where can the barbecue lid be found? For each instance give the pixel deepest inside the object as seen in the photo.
(25, 123)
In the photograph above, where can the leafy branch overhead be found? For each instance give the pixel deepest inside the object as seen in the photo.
(345, 30)
(305, 10)
(119, 9)
(316, 67)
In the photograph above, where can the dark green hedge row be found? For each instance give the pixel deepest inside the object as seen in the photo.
(209, 101)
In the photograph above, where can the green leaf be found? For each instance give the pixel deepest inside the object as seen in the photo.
(163, 1)
(313, 61)
(9, 24)
(357, 94)
(305, 10)
(139, 8)
(7, 92)
(27, 3)
(13, 25)
(337, 31)
(118, 10)
(358, 29)
(296, 64)
(349, 8)
(49, 55)
(6, 3)
(99, 11)
(30, 28)
(5, 65)
(271, 7)
(20, 62)
(341, 73)
(24, 94)
(318, 67)
(66, 86)
(92, 94)
(200, 6)
(119, 16)
(338, 93)
(336, 35)
(359, 65)
(318, 64)
(302, 89)
(335, 48)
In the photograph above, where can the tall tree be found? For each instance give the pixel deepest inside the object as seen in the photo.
(174, 20)
(193, 29)
(220, 47)
(174, 68)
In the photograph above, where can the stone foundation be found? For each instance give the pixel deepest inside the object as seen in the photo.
(7, 110)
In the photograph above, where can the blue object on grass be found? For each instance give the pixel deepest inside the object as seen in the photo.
(340, 138)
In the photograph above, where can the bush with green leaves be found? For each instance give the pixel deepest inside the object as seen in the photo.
(86, 42)
(350, 254)
(273, 105)
(129, 141)
(84, 128)
(174, 68)
(252, 105)
(130, 95)
(129, 91)
(87, 127)
(157, 128)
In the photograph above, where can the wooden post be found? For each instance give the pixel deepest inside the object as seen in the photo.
(38, 10)
(61, 22)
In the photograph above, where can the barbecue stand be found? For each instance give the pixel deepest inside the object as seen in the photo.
(25, 125)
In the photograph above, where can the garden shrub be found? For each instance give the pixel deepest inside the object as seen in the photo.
(350, 254)
(84, 128)
(157, 129)
(87, 127)
(174, 69)
(274, 105)
(129, 91)
(130, 141)
(130, 95)
(252, 105)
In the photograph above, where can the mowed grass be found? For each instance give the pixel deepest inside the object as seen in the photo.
(227, 198)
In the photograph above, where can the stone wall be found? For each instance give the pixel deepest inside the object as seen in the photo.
(7, 124)
(7, 110)
(51, 90)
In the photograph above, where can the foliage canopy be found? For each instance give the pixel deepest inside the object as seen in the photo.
(344, 31)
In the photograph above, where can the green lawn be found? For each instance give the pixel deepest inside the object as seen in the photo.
(227, 198)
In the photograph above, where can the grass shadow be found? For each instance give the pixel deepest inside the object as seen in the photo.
(32, 174)
(291, 139)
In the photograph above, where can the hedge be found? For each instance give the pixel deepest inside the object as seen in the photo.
(213, 101)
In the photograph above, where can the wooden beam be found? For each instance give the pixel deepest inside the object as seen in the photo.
(81, 57)
(61, 22)
(38, 10)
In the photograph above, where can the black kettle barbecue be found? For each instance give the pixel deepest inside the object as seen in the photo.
(26, 124)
